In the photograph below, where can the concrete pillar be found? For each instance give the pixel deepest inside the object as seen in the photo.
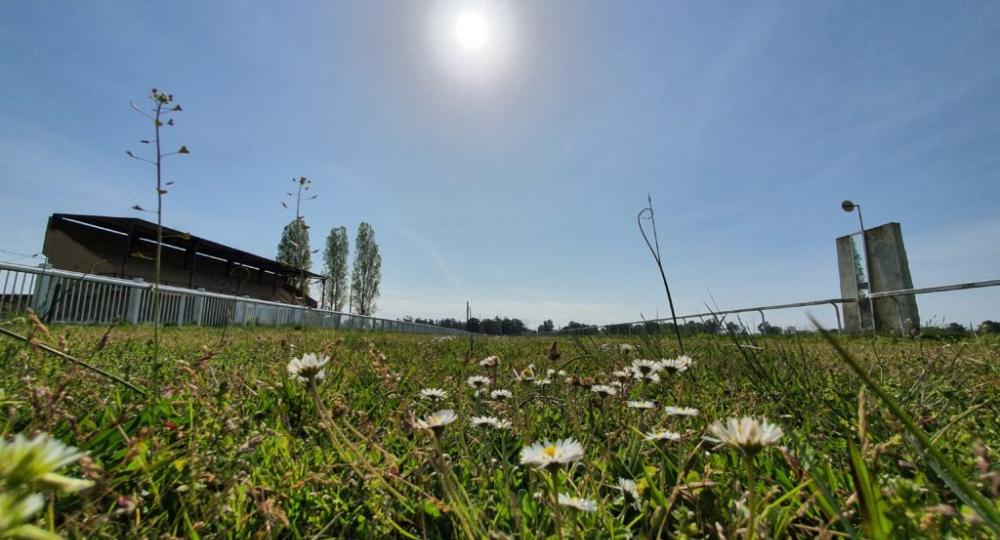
(850, 263)
(889, 271)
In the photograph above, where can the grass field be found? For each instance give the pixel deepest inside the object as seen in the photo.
(233, 447)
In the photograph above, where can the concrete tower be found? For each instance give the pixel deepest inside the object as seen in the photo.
(886, 264)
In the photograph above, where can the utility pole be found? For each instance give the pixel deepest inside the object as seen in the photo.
(849, 206)
(322, 294)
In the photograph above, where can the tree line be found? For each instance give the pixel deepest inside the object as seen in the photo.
(496, 326)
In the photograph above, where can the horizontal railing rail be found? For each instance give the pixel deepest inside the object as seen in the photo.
(61, 296)
(761, 309)
(939, 288)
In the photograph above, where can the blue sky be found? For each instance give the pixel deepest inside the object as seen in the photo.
(512, 175)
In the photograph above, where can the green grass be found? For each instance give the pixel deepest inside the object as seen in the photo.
(233, 449)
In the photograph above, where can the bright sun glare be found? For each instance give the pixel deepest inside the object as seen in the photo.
(471, 30)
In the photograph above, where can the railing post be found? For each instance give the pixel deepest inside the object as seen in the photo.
(181, 309)
(199, 308)
(135, 301)
(836, 311)
(237, 311)
(41, 297)
(246, 306)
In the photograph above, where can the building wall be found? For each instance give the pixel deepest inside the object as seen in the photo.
(79, 248)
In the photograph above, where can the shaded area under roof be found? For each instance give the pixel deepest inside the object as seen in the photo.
(141, 228)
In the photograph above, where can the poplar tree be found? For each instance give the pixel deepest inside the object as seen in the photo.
(367, 273)
(293, 250)
(335, 260)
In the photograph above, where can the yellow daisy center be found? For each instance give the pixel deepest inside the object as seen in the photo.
(549, 451)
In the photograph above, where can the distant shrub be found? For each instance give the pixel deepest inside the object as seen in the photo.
(989, 327)
(952, 331)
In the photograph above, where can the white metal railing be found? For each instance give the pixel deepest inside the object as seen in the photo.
(60, 296)
(604, 328)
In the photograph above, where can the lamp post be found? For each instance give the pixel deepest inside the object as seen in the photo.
(849, 206)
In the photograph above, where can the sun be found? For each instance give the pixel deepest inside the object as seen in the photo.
(474, 43)
(472, 30)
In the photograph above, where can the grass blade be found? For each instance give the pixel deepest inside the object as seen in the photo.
(958, 485)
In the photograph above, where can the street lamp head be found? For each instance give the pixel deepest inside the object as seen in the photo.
(848, 206)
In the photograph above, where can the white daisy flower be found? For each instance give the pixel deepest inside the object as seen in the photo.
(552, 454)
(543, 382)
(577, 503)
(500, 395)
(478, 381)
(628, 487)
(645, 367)
(36, 460)
(434, 394)
(490, 361)
(525, 375)
(681, 411)
(644, 372)
(492, 421)
(638, 375)
(308, 367)
(550, 372)
(20, 509)
(747, 434)
(621, 374)
(676, 365)
(437, 421)
(661, 435)
(626, 347)
(604, 390)
(640, 404)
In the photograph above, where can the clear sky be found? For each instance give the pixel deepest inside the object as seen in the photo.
(512, 174)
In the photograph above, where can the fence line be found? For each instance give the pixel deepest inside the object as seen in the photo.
(60, 296)
(761, 309)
